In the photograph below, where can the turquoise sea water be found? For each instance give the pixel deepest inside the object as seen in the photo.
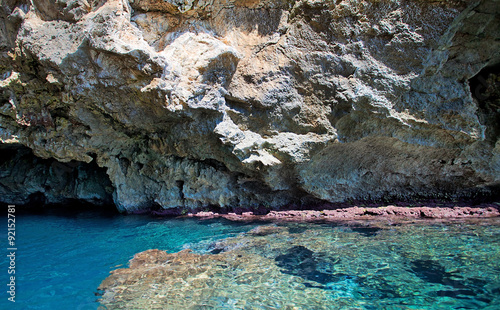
(63, 257)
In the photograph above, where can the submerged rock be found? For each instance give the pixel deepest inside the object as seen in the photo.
(256, 103)
(185, 280)
(310, 266)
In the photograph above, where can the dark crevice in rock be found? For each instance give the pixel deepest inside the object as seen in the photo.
(180, 186)
(36, 199)
(485, 89)
(124, 164)
(217, 165)
(484, 194)
(245, 106)
(7, 154)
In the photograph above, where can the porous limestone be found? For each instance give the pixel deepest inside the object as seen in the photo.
(235, 103)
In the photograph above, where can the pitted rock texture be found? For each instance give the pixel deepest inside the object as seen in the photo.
(236, 103)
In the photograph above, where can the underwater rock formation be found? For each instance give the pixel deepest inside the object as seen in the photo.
(235, 103)
(354, 264)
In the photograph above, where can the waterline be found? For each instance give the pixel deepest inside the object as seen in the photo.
(65, 255)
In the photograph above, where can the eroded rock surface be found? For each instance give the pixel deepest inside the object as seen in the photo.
(263, 102)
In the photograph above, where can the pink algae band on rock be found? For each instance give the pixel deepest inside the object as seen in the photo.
(360, 213)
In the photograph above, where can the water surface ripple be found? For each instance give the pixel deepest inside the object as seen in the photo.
(62, 259)
(418, 264)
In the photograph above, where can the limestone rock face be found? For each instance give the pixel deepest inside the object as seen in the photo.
(241, 103)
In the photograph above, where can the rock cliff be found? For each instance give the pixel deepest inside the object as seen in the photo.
(241, 103)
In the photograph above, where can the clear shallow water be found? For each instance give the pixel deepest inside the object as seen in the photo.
(62, 258)
(419, 265)
(377, 265)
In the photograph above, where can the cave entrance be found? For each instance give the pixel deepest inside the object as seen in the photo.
(485, 89)
(33, 182)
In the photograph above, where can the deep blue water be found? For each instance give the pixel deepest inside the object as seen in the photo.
(62, 258)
